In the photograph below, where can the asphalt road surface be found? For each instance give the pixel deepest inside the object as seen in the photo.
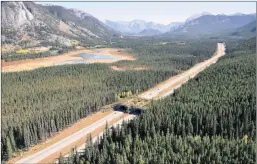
(160, 91)
(35, 158)
(166, 88)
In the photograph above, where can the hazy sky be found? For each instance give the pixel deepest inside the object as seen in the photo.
(159, 12)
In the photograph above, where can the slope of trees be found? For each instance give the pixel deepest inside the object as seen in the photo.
(211, 119)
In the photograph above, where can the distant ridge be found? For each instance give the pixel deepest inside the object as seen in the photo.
(136, 26)
(206, 23)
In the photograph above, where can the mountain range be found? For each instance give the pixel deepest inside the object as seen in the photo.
(209, 24)
(137, 26)
(201, 23)
(26, 24)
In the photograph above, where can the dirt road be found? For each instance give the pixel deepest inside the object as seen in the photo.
(167, 87)
(160, 91)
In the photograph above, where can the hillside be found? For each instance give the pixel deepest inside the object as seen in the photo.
(247, 30)
(26, 24)
(208, 24)
(149, 32)
(83, 21)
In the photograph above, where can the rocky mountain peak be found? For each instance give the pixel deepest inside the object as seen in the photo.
(15, 14)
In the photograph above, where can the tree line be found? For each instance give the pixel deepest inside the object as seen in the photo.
(211, 119)
(171, 56)
(13, 56)
(37, 104)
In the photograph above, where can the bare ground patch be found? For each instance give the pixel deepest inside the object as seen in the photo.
(31, 64)
(128, 68)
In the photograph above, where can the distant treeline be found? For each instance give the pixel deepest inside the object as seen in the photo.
(171, 56)
(211, 119)
(16, 56)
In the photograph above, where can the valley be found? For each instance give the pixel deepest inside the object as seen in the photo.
(77, 138)
(84, 83)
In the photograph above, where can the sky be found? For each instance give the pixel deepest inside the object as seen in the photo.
(158, 12)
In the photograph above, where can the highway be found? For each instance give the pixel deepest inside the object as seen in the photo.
(126, 119)
(167, 87)
(35, 158)
(160, 91)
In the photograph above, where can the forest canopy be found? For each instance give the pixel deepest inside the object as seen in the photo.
(37, 104)
(211, 119)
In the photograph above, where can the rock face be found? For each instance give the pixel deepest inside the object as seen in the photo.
(15, 14)
(18, 14)
(27, 24)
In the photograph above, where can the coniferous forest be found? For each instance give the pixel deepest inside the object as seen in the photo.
(211, 119)
(37, 104)
(71, 69)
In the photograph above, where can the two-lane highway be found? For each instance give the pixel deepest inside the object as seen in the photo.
(161, 90)
(167, 87)
(35, 158)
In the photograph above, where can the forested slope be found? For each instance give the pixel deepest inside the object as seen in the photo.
(211, 119)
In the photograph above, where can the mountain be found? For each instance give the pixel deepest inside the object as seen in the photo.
(81, 20)
(246, 30)
(149, 32)
(195, 16)
(136, 26)
(207, 23)
(26, 24)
